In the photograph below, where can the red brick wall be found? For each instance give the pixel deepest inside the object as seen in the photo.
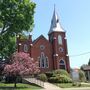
(50, 50)
(56, 50)
(36, 52)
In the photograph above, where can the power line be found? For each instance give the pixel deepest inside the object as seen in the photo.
(79, 54)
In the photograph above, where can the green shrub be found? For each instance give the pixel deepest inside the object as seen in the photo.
(60, 76)
(1, 78)
(60, 79)
(53, 79)
(82, 77)
(61, 72)
(42, 77)
(49, 74)
(65, 79)
(79, 85)
(74, 84)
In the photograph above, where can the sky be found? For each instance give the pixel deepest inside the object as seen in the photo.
(75, 19)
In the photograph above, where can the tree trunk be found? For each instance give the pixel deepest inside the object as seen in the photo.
(15, 85)
(15, 82)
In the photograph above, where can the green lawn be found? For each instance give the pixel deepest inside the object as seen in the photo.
(70, 85)
(20, 86)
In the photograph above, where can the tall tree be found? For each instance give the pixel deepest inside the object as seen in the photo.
(15, 16)
(7, 46)
(21, 64)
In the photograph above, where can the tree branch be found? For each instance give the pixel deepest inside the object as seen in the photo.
(3, 30)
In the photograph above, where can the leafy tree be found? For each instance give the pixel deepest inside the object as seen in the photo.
(15, 16)
(21, 65)
(7, 46)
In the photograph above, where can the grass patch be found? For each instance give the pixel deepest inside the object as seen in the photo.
(70, 85)
(20, 86)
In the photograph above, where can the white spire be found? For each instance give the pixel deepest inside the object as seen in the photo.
(55, 25)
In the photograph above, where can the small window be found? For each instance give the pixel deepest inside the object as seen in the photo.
(43, 65)
(39, 63)
(47, 63)
(59, 39)
(61, 49)
(25, 48)
(62, 64)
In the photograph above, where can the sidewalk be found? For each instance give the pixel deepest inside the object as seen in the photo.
(81, 88)
(49, 86)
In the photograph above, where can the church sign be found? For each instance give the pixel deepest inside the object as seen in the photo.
(75, 74)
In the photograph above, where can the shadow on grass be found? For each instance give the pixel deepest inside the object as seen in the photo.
(13, 88)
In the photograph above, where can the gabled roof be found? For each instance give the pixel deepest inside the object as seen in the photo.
(55, 25)
(86, 67)
(36, 40)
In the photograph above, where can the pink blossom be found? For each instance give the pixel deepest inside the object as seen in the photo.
(21, 64)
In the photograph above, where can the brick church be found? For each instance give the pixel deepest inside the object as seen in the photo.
(50, 53)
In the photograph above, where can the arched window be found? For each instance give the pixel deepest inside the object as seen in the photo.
(59, 39)
(25, 48)
(62, 64)
(43, 61)
(47, 62)
(39, 64)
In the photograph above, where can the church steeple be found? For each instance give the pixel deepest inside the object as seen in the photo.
(55, 25)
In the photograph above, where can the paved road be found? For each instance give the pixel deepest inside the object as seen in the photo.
(82, 88)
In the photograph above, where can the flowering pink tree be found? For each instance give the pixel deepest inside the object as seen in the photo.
(21, 64)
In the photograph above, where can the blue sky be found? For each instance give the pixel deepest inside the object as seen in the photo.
(74, 18)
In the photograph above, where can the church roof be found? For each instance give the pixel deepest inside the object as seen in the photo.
(55, 25)
(86, 67)
(41, 36)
